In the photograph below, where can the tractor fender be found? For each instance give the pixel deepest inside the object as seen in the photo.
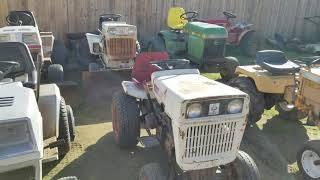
(49, 106)
(134, 89)
(245, 33)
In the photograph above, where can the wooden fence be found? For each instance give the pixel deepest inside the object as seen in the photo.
(269, 16)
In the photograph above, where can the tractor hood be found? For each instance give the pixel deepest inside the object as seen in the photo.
(205, 30)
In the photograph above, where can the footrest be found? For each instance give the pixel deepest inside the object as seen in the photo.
(149, 141)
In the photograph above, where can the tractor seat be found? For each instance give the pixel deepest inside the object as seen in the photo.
(174, 21)
(276, 62)
(142, 69)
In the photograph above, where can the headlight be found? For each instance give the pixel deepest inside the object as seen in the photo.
(235, 106)
(4, 37)
(194, 110)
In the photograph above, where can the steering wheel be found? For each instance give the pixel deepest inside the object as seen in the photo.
(171, 64)
(110, 17)
(190, 15)
(18, 19)
(229, 15)
(11, 65)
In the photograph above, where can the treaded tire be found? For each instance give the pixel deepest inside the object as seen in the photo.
(68, 178)
(64, 132)
(71, 122)
(59, 53)
(314, 146)
(248, 44)
(151, 171)
(55, 73)
(293, 115)
(125, 120)
(157, 44)
(244, 168)
(229, 69)
(257, 103)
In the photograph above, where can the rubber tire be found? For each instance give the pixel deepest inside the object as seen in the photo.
(229, 68)
(293, 115)
(248, 44)
(72, 124)
(151, 171)
(64, 131)
(245, 167)
(313, 145)
(85, 57)
(257, 103)
(55, 73)
(125, 120)
(157, 44)
(59, 53)
(68, 178)
(94, 67)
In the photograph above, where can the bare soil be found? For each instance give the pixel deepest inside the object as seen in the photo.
(94, 155)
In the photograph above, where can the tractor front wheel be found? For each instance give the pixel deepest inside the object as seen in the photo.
(257, 102)
(228, 70)
(64, 131)
(249, 43)
(308, 159)
(125, 120)
(244, 168)
(151, 171)
(292, 114)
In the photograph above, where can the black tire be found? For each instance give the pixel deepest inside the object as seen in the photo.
(59, 53)
(64, 132)
(68, 178)
(248, 44)
(257, 103)
(55, 73)
(72, 124)
(310, 171)
(244, 168)
(94, 67)
(292, 115)
(85, 57)
(157, 44)
(125, 120)
(229, 69)
(151, 171)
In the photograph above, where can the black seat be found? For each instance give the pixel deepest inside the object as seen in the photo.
(276, 62)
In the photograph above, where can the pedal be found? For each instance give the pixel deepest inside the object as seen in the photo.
(149, 141)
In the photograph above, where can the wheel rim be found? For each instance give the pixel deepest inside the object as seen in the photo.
(308, 161)
(115, 122)
(284, 106)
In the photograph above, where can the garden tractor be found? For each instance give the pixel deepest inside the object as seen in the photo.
(198, 122)
(23, 27)
(241, 34)
(202, 43)
(36, 125)
(277, 81)
(116, 44)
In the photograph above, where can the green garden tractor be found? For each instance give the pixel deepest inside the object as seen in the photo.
(202, 43)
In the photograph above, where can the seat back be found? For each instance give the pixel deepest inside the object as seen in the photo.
(174, 21)
(142, 68)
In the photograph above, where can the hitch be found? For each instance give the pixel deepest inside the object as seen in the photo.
(55, 144)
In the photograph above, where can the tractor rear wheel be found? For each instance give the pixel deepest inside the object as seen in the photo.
(249, 43)
(244, 168)
(151, 171)
(157, 44)
(64, 131)
(308, 159)
(257, 103)
(125, 120)
(229, 68)
(292, 114)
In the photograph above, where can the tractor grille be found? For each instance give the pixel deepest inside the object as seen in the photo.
(6, 101)
(121, 48)
(214, 48)
(207, 140)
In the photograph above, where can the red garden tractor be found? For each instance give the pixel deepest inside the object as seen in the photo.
(240, 33)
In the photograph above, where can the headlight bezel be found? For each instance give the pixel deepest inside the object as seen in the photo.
(235, 102)
(195, 109)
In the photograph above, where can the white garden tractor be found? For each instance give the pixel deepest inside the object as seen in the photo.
(198, 122)
(36, 125)
(22, 27)
(116, 44)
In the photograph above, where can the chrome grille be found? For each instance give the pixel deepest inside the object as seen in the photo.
(208, 140)
(6, 101)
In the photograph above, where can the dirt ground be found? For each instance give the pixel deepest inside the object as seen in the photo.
(94, 155)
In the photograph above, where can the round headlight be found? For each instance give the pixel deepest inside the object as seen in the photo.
(194, 110)
(235, 106)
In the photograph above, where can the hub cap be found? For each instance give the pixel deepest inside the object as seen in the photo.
(310, 163)
(285, 106)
